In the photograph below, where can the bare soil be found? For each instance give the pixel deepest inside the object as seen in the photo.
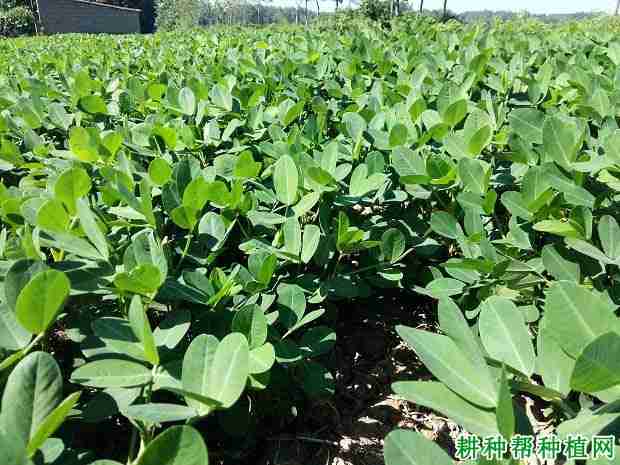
(369, 357)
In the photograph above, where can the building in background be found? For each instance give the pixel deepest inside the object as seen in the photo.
(87, 16)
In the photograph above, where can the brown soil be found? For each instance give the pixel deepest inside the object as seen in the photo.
(369, 357)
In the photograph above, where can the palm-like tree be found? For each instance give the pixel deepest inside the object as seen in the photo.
(445, 8)
(422, 5)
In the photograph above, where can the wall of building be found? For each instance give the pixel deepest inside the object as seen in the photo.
(63, 16)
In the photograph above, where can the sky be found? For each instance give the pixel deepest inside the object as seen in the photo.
(533, 6)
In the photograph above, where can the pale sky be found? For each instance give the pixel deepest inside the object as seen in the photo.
(533, 6)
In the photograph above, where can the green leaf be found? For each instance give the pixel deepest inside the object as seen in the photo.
(111, 373)
(473, 175)
(573, 193)
(142, 329)
(32, 392)
(317, 341)
(262, 266)
(71, 185)
(197, 369)
(559, 228)
(70, 244)
(52, 216)
(160, 171)
(18, 276)
(118, 336)
(409, 164)
(202, 400)
(444, 224)
(310, 242)
(10, 153)
(454, 325)
(439, 398)
(598, 366)
(112, 142)
(553, 364)
(455, 113)
(561, 139)
(306, 203)
(527, 123)
(316, 380)
(609, 234)
(173, 328)
(505, 336)
(576, 316)
(293, 113)
(93, 104)
(398, 135)
(479, 140)
(246, 167)
(12, 451)
(536, 188)
(409, 448)
(230, 369)
(252, 323)
(156, 413)
(515, 204)
(177, 445)
(286, 180)
(444, 359)
(265, 218)
(392, 244)
(144, 279)
(185, 217)
(167, 135)
(198, 192)
(355, 125)
(12, 335)
(262, 359)
(588, 249)
(59, 116)
(612, 145)
(443, 287)
(293, 304)
(221, 97)
(187, 101)
(505, 410)
(590, 423)
(91, 228)
(292, 236)
(599, 101)
(51, 423)
(558, 266)
(41, 299)
(213, 228)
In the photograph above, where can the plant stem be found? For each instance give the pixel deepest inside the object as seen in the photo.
(12, 360)
(335, 270)
(243, 231)
(566, 408)
(378, 265)
(146, 433)
(190, 236)
(132, 445)
(61, 255)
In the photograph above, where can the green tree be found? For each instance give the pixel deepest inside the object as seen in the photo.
(377, 10)
(177, 14)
